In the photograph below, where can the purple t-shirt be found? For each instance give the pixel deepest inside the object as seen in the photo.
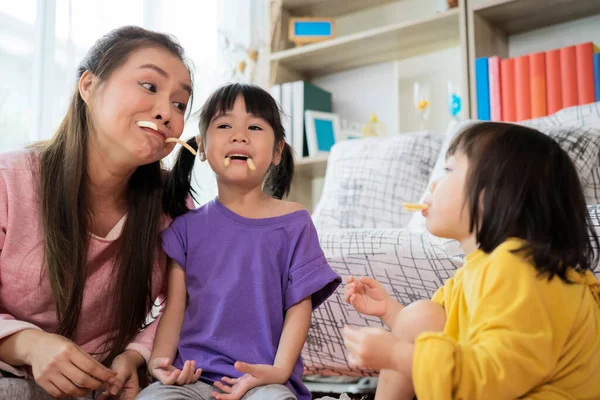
(242, 275)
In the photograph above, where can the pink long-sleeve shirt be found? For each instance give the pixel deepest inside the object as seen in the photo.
(25, 295)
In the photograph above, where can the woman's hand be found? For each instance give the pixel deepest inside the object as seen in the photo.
(368, 297)
(162, 369)
(126, 382)
(62, 368)
(254, 375)
(370, 347)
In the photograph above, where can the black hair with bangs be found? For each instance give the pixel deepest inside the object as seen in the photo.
(527, 187)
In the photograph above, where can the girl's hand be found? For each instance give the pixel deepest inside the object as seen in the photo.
(126, 382)
(370, 347)
(254, 375)
(367, 296)
(162, 369)
(62, 368)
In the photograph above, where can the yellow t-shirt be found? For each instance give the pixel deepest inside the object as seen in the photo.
(511, 333)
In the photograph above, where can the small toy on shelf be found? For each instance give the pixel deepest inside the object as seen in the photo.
(374, 127)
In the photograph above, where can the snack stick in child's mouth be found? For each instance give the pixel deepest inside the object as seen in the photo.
(181, 142)
(249, 161)
(415, 206)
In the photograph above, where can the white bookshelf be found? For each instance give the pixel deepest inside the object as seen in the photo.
(393, 42)
(491, 23)
(392, 36)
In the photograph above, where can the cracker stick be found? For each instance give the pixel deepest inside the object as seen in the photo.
(415, 206)
(250, 163)
(181, 142)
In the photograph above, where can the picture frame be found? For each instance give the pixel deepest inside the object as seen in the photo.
(305, 30)
(322, 131)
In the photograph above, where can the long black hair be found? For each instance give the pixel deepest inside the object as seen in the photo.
(530, 189)
(64, 206)
(258, 103)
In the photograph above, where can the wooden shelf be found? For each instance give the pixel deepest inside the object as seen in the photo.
(517, 16)
(387, 43)
(329, 8)
(311, 166)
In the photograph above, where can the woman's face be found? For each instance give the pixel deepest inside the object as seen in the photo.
(151, 88)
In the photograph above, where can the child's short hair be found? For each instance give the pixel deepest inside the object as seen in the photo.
(521, 183)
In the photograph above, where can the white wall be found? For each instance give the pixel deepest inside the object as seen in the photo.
(553, 37)
(358, 93)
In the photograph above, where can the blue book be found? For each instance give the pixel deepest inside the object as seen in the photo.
(482, 82)
(597, 75)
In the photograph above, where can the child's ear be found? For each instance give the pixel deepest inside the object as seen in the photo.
(200, 149)
(278, 151)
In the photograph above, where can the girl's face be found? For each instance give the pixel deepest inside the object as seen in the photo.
(236, 132)
(448, 215)
(153, 86)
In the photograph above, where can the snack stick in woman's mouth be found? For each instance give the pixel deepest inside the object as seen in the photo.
(181, 142)
(415, 206)
(249, 161)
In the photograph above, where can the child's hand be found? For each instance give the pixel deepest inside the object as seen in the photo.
(370, 347)
(254, 375)
(367, 295)
(162, 369)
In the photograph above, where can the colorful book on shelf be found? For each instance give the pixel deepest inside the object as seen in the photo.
(568, 73)
(522, 87)
(482, 82)
(537, 72)
(553, 82)
(306, 96)
(597, 76)
(495, 94)
(507, 88)
(584, 53)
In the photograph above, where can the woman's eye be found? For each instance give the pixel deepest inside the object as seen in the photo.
(255, 128)
(149, 86)
(446, 169)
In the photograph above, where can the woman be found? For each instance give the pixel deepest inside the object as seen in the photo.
(80, 217)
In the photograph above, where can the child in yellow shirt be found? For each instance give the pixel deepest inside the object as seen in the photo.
(521, 318)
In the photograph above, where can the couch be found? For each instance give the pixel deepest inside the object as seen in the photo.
(363, 229)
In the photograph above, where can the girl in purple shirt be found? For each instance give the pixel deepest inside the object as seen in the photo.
(246, 268)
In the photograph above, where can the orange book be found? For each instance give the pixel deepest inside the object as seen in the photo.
(522, 88)
(553, 81)
(507, 90)
(584, 55)
(537, 73)
(568, 73)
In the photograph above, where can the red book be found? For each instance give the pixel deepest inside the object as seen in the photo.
(507, 90)
(584, 54)
(553, 81)
(568, 73)
(522, 88)
(537, 72)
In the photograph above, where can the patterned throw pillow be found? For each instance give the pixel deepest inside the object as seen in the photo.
(367, 180)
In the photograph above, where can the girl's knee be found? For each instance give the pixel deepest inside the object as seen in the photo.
(418, 317)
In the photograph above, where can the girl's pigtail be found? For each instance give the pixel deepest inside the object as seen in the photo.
(178, 185)
(279, 180)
